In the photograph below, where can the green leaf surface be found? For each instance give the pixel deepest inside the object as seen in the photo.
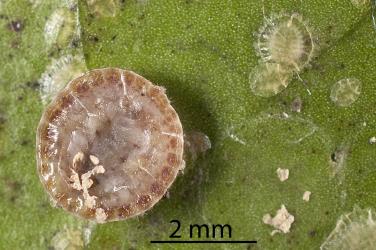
(202, 52)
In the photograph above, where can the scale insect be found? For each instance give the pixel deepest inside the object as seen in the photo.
(269, 79)
(109, 145)
(354, 230)
(285, 45)
(345, 92)
(286, 40)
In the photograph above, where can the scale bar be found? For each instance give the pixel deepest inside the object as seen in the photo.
(205, 241)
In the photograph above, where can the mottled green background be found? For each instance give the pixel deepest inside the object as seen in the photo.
(202, 52)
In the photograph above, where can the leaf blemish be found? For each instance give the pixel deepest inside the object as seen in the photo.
(16, 25)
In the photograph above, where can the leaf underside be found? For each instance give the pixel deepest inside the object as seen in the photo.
(202, 52)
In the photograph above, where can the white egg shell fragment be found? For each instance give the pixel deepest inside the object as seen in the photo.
(121, 121)
(282, 221)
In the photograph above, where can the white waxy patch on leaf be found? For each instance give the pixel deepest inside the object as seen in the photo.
(282, 221)
(283, 174)
(372, 140)
(306, 196)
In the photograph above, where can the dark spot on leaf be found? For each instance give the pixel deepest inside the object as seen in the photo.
(15, 25)
(351, 124)
(86, 56)
(296, 105)
(91, 16)
(15, 44)
(339, 155)
(330, 28)
(122, 4)
(54, 52)
(93, 38)
(73, 8)
(2, 119)
(75, 43)
(312, 233)
(141, 17)
(12, 189)
(24, 142)
(33, 84)
(333, 157)
(251, 246)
